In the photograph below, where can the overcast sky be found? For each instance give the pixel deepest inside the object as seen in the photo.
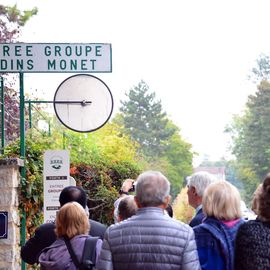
(196, 55)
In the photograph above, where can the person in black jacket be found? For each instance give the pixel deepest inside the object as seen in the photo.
(252, 243)
(45, 234)
(197, 183)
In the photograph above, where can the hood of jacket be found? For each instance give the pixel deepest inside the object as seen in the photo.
(224, 235)
(57, 257)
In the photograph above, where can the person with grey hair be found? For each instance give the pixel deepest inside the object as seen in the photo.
(196, 184)
(150, 239)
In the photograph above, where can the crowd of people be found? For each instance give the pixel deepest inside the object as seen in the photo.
(146, 236)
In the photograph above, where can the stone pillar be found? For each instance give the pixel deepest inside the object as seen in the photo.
(9, 183)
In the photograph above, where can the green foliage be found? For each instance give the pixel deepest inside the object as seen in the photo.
(102, 183)
(262, 69)
(11, 20)
(176, 162)
(31, 189)
(250, 181)
(179, 155)
(251, 132)
(144, 120)
(99, 163)
(161, 144)
(257, 133)
(108, 142)
(232, 175)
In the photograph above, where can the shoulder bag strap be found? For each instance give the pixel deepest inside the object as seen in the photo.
(89, 251)
(72, 253)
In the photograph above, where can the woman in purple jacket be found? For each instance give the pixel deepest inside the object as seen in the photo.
(71, 223)
(216, 235)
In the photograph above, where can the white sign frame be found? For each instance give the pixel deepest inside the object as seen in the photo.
(55, 178)
(55, 57)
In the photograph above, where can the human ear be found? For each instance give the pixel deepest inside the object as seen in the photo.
(193, 191)
(137, 202)
(167, 200)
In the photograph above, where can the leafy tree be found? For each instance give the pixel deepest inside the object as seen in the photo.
(249, 180)
(11, 21)
(159, 138)
(178, 151)
(251, 132)
(179, 155)
(100, 161)
(257, 130)
(251, 139)
(145, 121)
(262, 69)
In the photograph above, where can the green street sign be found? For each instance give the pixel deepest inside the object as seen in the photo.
(55, 57)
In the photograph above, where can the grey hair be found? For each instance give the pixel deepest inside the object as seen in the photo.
(201, 180)
(152, 187)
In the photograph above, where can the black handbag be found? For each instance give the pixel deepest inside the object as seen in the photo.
(89, 253)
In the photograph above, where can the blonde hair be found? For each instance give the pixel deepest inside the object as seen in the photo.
(71, 220)
(222, 200)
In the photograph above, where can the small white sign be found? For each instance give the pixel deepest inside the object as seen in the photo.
(55, 178)
(59, 57)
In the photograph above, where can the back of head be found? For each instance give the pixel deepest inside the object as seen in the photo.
(201, 180)
(127, 207)
(71, 220)
(222, 200)
(264, 200)
(152, 188)
(255, 199)
(73, 194)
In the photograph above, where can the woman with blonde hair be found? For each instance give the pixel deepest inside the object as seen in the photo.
(72, 225)
(215, 236)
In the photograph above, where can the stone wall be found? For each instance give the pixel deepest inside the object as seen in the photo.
(9, 183)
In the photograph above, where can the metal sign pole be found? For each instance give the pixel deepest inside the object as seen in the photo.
(22, 155)
(2, 115)
(30, 114)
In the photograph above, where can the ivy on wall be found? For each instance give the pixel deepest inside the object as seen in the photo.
(101, 177)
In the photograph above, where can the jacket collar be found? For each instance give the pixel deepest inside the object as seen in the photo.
(150, 209)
